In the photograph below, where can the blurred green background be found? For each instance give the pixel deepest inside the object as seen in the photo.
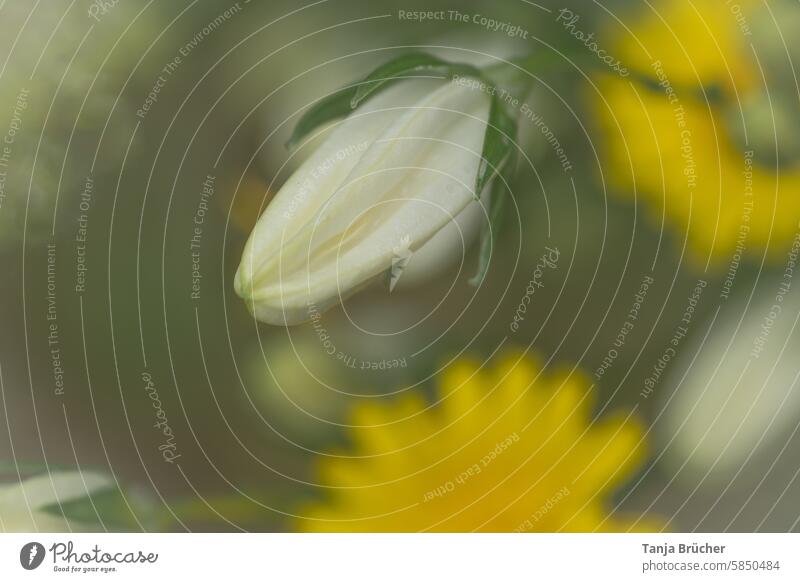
(251, 406)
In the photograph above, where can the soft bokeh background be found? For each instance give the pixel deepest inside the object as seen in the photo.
(253, 407)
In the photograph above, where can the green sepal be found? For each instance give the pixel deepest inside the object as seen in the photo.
(411, 65)
(330, 108)
(498, 145)
(343, 102)
(490, 232)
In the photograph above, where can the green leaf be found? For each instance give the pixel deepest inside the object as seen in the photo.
(107, 507)
(134, 511)
(490, 233)
(330, 108)
(408, 66)
(498, 145)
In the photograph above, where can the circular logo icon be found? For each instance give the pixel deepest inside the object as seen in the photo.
(31, 555)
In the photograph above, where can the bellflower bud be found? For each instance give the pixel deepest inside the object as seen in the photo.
(390, 176)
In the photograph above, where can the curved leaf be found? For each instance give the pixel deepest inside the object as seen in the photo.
(498, 145)
(408, 66)
(334, 106)
(344, 101)
(497, 170)
(490, 233)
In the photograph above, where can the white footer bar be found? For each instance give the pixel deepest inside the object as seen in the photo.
(389, 557)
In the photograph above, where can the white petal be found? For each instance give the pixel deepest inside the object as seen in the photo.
(448, 245)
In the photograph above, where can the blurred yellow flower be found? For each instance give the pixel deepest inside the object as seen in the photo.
(694, 132)
(504, 450)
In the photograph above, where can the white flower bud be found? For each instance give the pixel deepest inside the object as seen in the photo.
(391, 175)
